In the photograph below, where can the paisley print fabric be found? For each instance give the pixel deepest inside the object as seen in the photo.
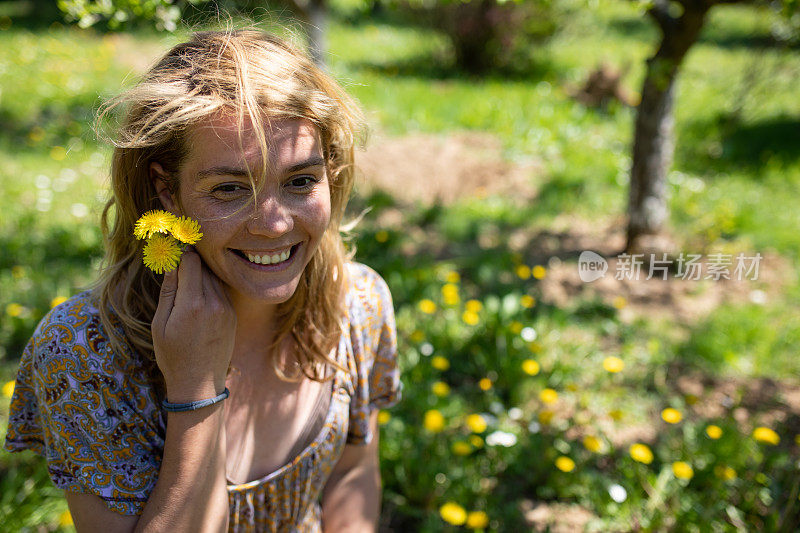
(94, 417)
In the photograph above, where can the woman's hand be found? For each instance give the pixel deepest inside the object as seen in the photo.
(193, 331)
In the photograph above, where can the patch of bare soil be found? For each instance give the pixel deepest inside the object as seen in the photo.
(555, 517)
(441, 169)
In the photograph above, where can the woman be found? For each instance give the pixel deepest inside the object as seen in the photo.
(242, 133)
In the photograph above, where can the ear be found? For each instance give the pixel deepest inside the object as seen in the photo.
(159, 178)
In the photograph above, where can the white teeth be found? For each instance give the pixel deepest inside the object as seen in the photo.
(269, 260)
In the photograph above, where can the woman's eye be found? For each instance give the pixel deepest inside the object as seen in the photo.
(227, 188)
(303, 182)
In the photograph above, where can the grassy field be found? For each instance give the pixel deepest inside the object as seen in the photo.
(514, 406)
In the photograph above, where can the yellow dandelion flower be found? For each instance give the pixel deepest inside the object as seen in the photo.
(613, 364)
(476, 441)
(161, 253)
(691, 399)
(450, 294)
(535, 346)
(461, 448)
(58, 300)
(641, 453)
(565, 464)
(452, 277)
(65, 519)
(433, 421)
(539, 272)
(485, 384)
(546, 416)
(477, 520)
(153, 222)
(530, 367)
(417, 336)
(382, 236)
(427, 306)
(186, 230)
(523, 271)
(764, 434)
(725, 472)
(470, 318)
(14, 310)
(714, 432)
(476, 423)
(452, 513)
(8, 389)
(384, 417)
(58, 153)
(615, 414)
(797, 439)
(671, 416)
(440, 363)
(682, 470)
(515, 327)
(527, 301)
(548, 396)
(18, 272)
(593, 444)
(619, 302)
(474, 306)
(440, 388)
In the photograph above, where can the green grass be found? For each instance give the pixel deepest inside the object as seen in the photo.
(734, 186)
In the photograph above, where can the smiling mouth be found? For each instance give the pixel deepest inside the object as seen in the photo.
(267, 259)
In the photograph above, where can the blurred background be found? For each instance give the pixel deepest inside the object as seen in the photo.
(506, 137)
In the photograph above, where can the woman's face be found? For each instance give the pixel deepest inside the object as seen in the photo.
(259, 252)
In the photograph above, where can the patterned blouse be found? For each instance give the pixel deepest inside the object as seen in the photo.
(94, 417)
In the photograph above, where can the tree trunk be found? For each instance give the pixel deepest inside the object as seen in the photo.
(653, 139)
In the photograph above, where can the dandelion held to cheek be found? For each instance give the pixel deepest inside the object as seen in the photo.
(165, 237)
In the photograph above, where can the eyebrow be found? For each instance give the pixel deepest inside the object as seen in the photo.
(314, 161)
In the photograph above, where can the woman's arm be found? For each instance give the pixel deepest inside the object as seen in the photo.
(351, 498)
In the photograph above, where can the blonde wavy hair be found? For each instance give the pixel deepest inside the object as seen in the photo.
(258, 77)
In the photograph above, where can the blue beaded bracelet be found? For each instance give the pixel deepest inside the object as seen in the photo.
(191, 406)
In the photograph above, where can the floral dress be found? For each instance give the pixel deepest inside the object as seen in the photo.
(92, 414)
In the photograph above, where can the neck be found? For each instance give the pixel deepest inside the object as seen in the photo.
(254, 331)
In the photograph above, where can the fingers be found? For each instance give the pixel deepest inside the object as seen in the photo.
(166, 298)
(190, 279)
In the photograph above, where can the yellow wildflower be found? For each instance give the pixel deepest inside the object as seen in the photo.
(477, 520)
(8, 389)
(530, 367)
(461, 447)
(417, 336)
(527, 301)
(523, 271)
(434, 421)
(450, 294)
(14, 310)
(440, 388)
(485, 384)
(58, 300)
(682, 470)
(538, 272)
(476, 423)
(725, 472)
(470, 318)
(619, 302)
(615, 414)
(671, 416)
(714, 432)
(384, 417)
(186, 230)
(153, 222)
(65, 519)
(764, 434)
(548, 396)
(641, 453)
(476, 441)
(546, 416)
(452, 513)
(58, 153)
(515, 327)
(440, 363)
(161, 253)
(474, 306)
(18, 272)
(565, 464)
(382, 236)
(535, 346)
(592, 443)
(427, 306)
(613, 364)
(452, 277)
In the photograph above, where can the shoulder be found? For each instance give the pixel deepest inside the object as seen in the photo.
(368, 291)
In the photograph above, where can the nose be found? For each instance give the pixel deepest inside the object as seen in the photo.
(270, 218)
